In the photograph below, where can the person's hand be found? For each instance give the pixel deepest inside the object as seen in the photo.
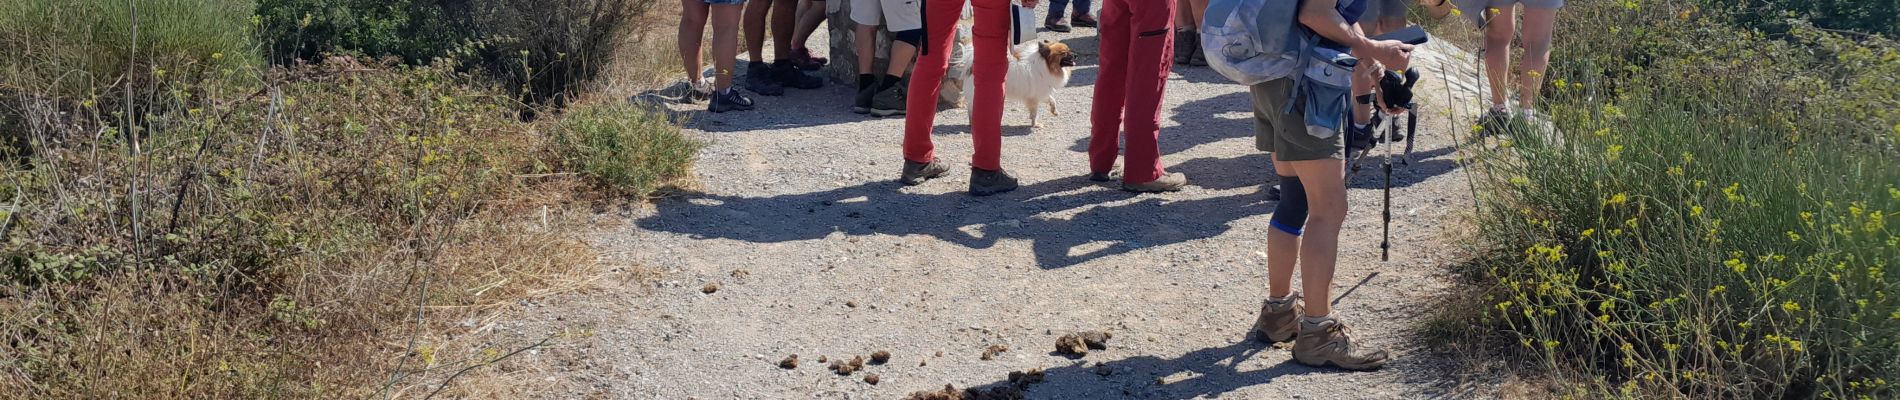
(1029, 3)
(1395, 55)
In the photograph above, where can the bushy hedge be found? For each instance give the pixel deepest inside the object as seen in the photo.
(542, 50)
(1712, 220)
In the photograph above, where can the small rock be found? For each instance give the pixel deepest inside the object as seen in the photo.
(880, 357)
(990, 353)
(852, 304)
(789, 362)
(710, 288)
(870, 378)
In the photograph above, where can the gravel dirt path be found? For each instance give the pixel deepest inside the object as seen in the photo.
(815, 251)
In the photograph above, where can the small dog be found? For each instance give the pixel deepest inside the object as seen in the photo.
(1036, 70)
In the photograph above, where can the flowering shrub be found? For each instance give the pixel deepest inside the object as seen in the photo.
(1711, 220)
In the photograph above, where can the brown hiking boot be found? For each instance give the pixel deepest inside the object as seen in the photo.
(1110, 176)
(915, 173)
(1166, 183)
(985, 182)
(1326, 344)
(1279, 320)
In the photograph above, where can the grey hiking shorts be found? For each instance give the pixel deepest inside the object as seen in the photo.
(1283, 133)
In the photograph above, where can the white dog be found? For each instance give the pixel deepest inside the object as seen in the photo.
(1036, 70)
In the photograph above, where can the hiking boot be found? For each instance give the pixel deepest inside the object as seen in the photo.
(788, 75)
(1359, 139)
(1166, 183)
(758, 79)
(1279, 320)
(889, 102)
(1055, 25)
(1186, 41)
(1085, 21)
(1326, 343)
(986, 182)
(1199, 59)
(801, 58)
(915, 173)
(1110, 176)
(731, 100)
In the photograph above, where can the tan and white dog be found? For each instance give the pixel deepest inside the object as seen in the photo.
(1036, 70)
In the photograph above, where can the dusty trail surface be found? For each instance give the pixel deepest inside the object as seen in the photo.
(815, 251)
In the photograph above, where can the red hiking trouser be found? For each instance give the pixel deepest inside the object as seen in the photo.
(991, 43)
(1137, 38)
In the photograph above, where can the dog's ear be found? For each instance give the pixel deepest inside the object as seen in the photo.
(1044, 50)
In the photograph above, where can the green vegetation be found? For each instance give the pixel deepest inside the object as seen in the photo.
(545, 51)
(236, 230)
(1712, 220)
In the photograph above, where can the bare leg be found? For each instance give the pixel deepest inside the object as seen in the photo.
(1497, 51)
(901, 54)
(755, 12)
(1184, 19)
(1538, 23)
(691, 33)
(1319, 245)
(1282, 251)
(808, 22)
(784, 23)
(866, 41)
(725, 18)
(1197, 8)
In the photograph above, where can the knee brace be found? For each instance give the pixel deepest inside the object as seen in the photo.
(914, 36)
(1290, 215)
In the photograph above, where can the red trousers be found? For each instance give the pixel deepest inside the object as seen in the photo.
(1137, 41)
(991, 64)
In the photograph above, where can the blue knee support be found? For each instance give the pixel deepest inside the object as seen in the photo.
(1290, 215)
(914, 36)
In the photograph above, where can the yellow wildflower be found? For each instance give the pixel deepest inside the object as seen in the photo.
(1791, 306)
(1695, 211)
(1616, 200)
(1736, 264)
(1615, 152)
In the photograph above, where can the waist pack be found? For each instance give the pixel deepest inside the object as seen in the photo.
(1254, 41)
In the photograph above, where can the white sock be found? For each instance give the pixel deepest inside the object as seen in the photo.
(725, 91)
(1314, 320)
(1357, 125)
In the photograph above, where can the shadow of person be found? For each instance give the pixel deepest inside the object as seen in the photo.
(1200, 122)
(1103, 222)
(1209, 373)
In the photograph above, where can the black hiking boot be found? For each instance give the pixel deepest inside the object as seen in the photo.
(758, 79)
(789, 76)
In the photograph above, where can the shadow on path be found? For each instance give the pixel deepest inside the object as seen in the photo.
(1210, 372)
(1036, 212)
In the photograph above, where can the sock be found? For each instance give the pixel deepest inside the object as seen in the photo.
(1278, 300)
(1314, 320)
(1359, 126)
(865, 80)
(725, 91)
(889, 81)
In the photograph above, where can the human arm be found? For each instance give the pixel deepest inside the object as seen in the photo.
(1323, 18)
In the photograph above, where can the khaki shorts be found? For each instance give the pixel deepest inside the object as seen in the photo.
(895, 15)
(1283, 133)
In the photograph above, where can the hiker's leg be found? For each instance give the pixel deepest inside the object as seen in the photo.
(692, 32)
(1183, 16)
(920, 116)
(1105, 112)
(866, 42)
(784, 24)
(808, 22)
(1325, 185)
(1538, 24)
(755, 13)
(1148, 66)
(1497, 50)
(725, 20)
(1199, 9)
(901, 54)
(991, 65)
(1283, 248)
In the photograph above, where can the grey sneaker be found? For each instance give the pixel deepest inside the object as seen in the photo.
(1199, 59)
(1110, 176)
(1279, 320)
(985, 182)
(1166, 183)
(1326, 343)
(915, 173)
(862, 103)
(889, 102)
